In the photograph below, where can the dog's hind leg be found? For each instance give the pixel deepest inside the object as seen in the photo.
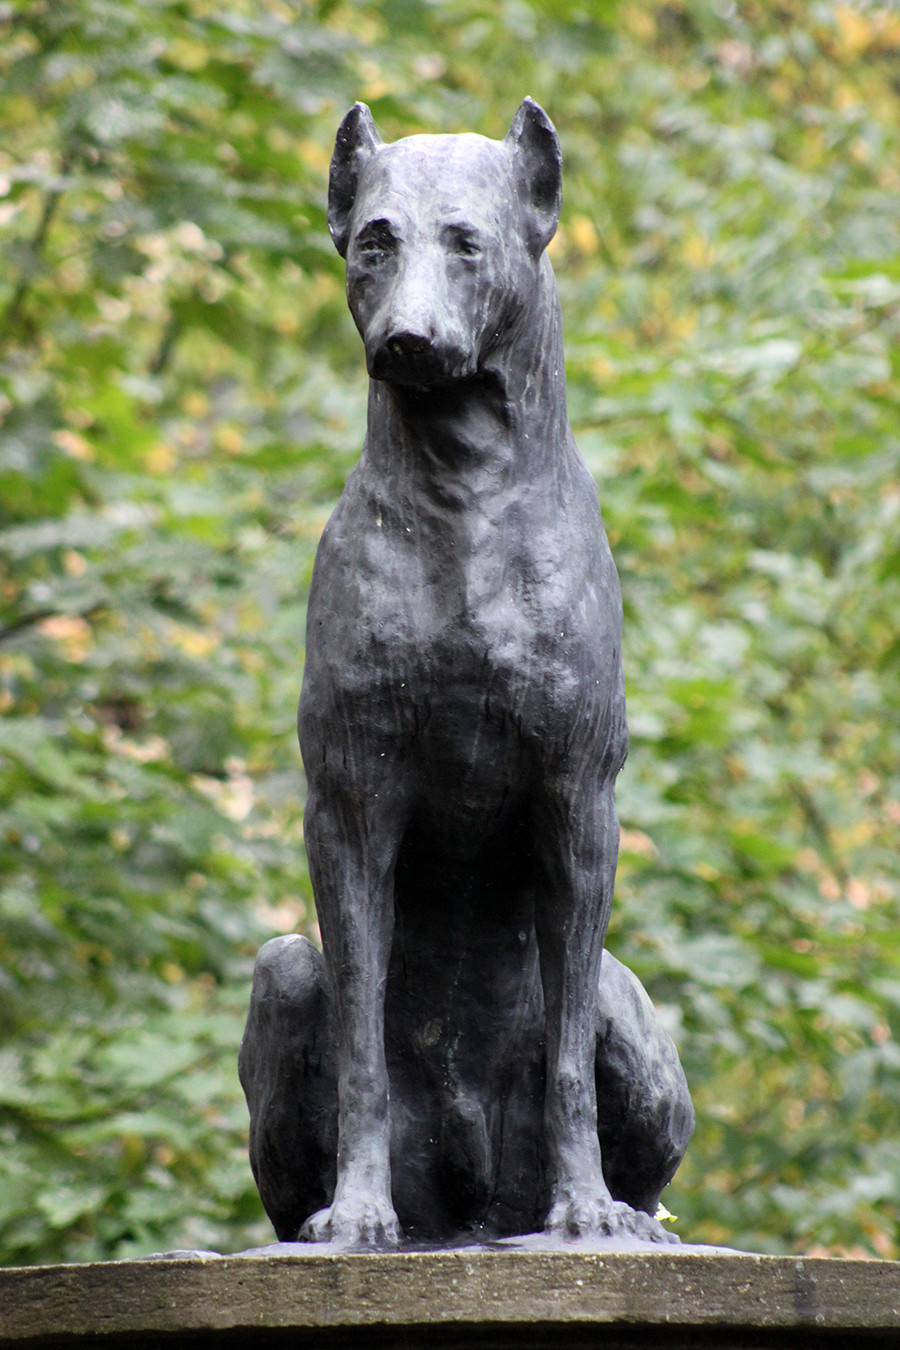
(645, 1131)
(353, 841)
(287, 1071)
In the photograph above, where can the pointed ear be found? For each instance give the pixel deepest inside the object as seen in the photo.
(537, 162)
(356, 140)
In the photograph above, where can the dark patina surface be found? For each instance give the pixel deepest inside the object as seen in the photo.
(458, 1062)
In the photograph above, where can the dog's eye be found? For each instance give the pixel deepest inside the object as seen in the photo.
(463, 242)
(376, 243)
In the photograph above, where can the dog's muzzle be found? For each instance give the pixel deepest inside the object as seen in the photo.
(414, 359)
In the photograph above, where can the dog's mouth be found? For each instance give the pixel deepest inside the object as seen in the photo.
(418, 362)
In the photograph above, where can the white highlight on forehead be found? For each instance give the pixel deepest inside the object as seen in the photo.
(452, 179)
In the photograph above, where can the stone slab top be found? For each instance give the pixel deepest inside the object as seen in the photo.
(662, 1296)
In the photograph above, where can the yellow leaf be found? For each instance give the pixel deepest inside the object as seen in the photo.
(195, 403)
(160, 458)
(637, 21)
(635, 841)
(854, 31)
(602, 368)
(193, 642)
(697, 251)
(583, 234)
(71, 632)
(74, 563)
(558, 244)
(279, 140)
(375, 85)
(187, 55)
(315, 156)
(229, 438)
(75, 446)
(845, 96)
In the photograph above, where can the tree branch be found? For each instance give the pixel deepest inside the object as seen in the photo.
(35, 249)
(37, 616)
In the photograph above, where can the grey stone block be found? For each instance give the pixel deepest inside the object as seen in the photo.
(671, 1297)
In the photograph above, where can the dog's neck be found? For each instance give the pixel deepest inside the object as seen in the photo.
(472, 435)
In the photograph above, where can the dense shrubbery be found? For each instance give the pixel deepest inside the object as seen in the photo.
(182, 394)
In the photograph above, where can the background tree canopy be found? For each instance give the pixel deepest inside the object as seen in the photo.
(182, 394)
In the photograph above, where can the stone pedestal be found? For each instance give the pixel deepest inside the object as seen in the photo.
(462, 1298)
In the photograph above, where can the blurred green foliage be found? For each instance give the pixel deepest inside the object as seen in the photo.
(182, 393)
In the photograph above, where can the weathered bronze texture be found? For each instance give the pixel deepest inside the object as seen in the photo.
(458, 1063)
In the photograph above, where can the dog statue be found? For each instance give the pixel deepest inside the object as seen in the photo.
(463, 1059)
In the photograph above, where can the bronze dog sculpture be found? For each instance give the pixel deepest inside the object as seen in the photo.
(459, 1063)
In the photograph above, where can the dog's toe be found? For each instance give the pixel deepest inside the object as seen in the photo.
(641, 1225)
(583, 1217)
(363, 1224)
(317, 1227)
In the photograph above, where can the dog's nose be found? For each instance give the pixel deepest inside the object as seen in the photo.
(408, 345)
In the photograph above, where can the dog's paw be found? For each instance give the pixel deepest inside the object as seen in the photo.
(644, 1226)
(363, 1222)
(580, 1218)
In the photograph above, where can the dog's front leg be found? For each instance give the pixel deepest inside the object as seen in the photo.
(352, 842)
(579, 836)
(579, 844)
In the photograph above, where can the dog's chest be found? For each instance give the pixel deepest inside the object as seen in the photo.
(494, 616)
